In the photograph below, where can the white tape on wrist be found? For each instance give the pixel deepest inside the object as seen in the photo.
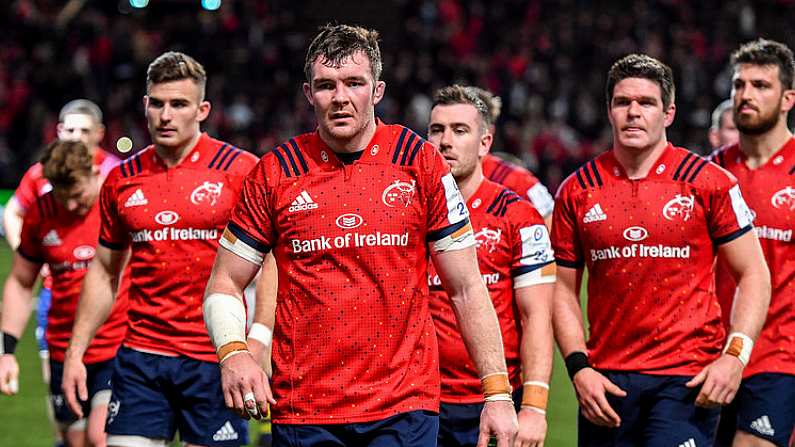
(225, 318)
(532, 408)
(261, 333)
(499, 398)
(740, 346)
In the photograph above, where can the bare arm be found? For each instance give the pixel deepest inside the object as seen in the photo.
(265, 311)
(96, 298)
(17, 305)
(747, 263)
(567, 313)
(535, 308)
(458, 270)
(12, 222)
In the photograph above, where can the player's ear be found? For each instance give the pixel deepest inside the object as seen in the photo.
(670, 113)
(787, 100)
(59, 131)
(145, 101)
(308, 94)
(204, 110)
(378, 93)
(485, 144)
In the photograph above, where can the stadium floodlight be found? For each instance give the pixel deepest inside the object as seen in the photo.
(211, 5)
(139, 3)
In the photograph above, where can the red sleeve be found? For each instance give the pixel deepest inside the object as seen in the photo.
(30, 242)
(565, 238)
(448, 216)
(112, 233)
(728, 216)
(250, 232)
(27, 192)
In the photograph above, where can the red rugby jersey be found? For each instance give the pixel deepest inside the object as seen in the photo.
(770, 191)
(513, 247)
(649, 245)
(66, 242)
(354, 340)
(519, 180)
(172, 219)
(33, 185)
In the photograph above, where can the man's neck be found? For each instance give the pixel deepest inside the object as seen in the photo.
(174, 156)
(638, 162)
(469, 185)
(758, 149)
(353, 144)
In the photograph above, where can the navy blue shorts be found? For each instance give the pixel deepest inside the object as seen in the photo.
(155, 396)
(412, 429)
(97, 379)
(658, 411)
(764, 407)
(45, 300)
(459, 424)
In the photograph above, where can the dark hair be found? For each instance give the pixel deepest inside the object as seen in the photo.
(67, 162)
(459, 94)
(175, 66)
(81, 107)
(336, 43)
(768, 52)
(645, 67)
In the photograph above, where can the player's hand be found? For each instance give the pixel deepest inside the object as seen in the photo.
(532, 429)
(719, 381)
(74, 384)
(261, 354)
(9, 374)
(245, 386)
(498, 419)
(592, 388)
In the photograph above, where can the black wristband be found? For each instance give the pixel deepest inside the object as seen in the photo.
(9, 343)
(575, 362)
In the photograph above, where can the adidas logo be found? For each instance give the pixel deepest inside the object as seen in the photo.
(762, 425)
(136, 199)
(51, 239)
(594, 214)
(225, 433)
(302, 203)
(689, 443)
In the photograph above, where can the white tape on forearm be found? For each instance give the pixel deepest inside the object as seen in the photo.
(261, 333)
(740, 346)
(225, 318)
(499, 398)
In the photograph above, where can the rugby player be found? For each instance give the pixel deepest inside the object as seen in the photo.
(352, 212)
(60, 229)
(517, 265)
(647, 218)
(165, 208)
(763, 161)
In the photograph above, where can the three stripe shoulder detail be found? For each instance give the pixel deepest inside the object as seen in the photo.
(291, 159)
(407, 147)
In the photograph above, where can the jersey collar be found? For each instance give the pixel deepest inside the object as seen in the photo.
(782, 157)
(664, 163)
(374, 151)
(202, 150)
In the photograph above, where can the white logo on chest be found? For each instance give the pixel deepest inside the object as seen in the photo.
(167, 217)
(679, 207)
(207, 192)
(84, 252)
(784, 199)
(487, 238)
(398, 194)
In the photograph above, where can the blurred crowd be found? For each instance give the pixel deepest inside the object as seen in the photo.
(546, 59)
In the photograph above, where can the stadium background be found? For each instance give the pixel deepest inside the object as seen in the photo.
(546, 59)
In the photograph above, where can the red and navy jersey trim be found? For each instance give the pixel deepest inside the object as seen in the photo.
(689, 168)
(28, 257)
(528, 268)
(47, 206)
(569, 264)
(434, 236)
(131, 166)
(111, 245)
(500, 204)
(501, 172)
(291, 159)
(589, 173)
(406, 149)
(224, 157)
(247, 239)
(732, 236)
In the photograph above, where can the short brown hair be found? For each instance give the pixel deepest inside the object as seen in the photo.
(336, 43)
(459, 94)
(175, 66)
(67, 162)
(493, 102)
(768, 52)
(644, 67)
